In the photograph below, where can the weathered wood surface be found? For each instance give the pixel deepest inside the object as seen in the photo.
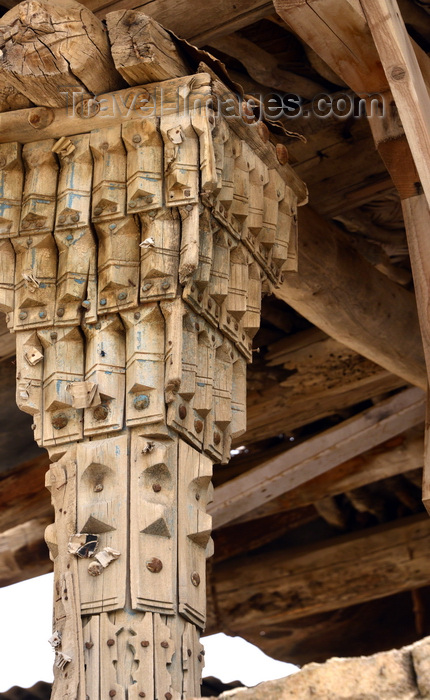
(344, 571)
(23, 552)
(342, 39)
(7, 341)
(405, 78)
(397, 456)
(271, 412)
(318, 455)
(394, 340)
(59, 45)
(131, 360)
(143, 52)
(191, 20)
(264, 68)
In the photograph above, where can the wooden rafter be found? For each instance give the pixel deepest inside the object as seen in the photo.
(316, 456)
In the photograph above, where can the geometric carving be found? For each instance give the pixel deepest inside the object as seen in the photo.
(133, 275)
(153, 512)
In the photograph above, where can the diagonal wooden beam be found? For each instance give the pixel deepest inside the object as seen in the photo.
(397, 456)
(332, 289)
(316, 456)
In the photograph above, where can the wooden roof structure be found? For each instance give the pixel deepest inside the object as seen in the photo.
(321, 537)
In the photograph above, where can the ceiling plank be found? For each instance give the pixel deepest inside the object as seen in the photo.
(287, 584)
(316, 456)
(398, 456)
(332, 289)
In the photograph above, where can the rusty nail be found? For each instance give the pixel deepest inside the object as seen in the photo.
(198, 425)
(193, 288)
(217, 438)
(236, 326)
(156, 488)
(165, 284)
(89, 645)
(168, 696)
(42, 314)
(136, 315)
(165, 645)
(100, 412)
(98, 487)
(122, 296)
(200, 658)
(142, 695)
(110, 642)
(398, 73)
(22, 315)
(144, 644)
(182, 412)
(112, 693)
(137, 138)
(53, 335)
(59, 421)
(195, 579)
(154, 565)
(197, 326)
(146, 286)
(189, 652)
(281, 153)
(197, 497)
(200, 297)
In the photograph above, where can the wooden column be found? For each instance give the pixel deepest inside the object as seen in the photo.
(136, 251)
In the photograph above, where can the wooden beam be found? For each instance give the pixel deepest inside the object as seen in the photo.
(263, 66)
(389, 335)
(23, 553)
(7, 340)
(273, 412)
(400, 455)
(143, 52)
(192, 20)
(340, 36)
(405, 78)
(343, 571)
(316, 456)
(48, 46)
(22, 494)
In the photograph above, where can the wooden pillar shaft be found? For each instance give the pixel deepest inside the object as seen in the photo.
(136, 254)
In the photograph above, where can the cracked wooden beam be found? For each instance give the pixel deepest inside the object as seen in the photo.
(61, 46)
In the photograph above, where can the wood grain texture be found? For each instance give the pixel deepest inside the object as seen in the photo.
(340, 572)
(394, 341)
(316, 456)
(47, 46)
(143, 52)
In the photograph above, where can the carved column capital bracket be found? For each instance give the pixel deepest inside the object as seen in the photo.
(134, 253)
